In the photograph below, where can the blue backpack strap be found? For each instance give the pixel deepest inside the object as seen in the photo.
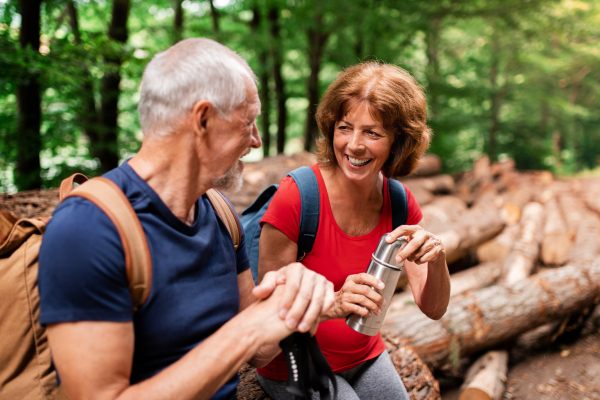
(399, 202)
(307, 183)
(250, 219)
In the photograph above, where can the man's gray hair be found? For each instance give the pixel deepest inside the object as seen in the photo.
(192, 70)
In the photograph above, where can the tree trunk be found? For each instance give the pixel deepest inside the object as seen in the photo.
(89, 114)
(215, 18)
(484, 318)
(473, 278)
(432, 38)
(429, 164)
(521, 260)
(572, 208)
(498, 94)
(263, 76)
(178, 21)
(106, 148)
(442, 212)
(514, 200)
(556, 243)
(499, 247)
(586, 246)
(486, 378)
(29, 103)
(477, 225)
(316, 46)
(273, 17)
(438, 184)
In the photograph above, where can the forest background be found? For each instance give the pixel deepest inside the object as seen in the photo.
(509, 78)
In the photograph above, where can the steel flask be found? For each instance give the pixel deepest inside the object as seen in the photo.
(384, 267)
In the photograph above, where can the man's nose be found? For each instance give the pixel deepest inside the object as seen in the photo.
(256, 141)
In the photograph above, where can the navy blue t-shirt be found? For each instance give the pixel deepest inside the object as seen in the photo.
(194, 275)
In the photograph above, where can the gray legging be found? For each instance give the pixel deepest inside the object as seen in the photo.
(373, 379)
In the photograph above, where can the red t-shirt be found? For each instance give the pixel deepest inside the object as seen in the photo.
(335, 255)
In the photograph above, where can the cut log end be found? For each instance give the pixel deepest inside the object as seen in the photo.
(474, 394)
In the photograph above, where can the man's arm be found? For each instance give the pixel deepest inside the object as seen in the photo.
(94, 359)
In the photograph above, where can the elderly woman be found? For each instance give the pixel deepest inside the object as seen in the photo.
(374, 124)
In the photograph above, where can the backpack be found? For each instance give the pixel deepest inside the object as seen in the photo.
(27, 372)
(308, 186)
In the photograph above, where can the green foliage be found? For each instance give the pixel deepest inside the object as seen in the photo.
(509, 78)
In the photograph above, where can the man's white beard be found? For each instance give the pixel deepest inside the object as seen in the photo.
(232, 179)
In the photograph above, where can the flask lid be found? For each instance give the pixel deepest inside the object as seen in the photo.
(386, 252)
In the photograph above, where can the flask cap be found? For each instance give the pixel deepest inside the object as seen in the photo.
(386, 252)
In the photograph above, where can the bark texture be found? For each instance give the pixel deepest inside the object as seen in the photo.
(587, 239)
(439, 214)
(104, 147)
(481, 319)
(460, 282)
(316, 45)
(499, 247)
(29, 103)
(477, 225)
(521, 260)
(438, 184)
(556, 243)
(429, 165)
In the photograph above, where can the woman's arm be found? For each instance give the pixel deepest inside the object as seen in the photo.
(426, 269)
(355, 296)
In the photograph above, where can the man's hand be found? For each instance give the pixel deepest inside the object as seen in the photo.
(307, 295)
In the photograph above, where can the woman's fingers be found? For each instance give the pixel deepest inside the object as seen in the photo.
(365, 279)
(422, 247)
(402, 230)
(363, 301)
(432, 255)
(411, 247)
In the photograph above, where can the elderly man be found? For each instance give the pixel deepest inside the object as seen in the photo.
(198, 108)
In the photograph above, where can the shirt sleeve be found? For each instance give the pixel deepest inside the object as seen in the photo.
(82, 267)
(284, 210)
(415, 215)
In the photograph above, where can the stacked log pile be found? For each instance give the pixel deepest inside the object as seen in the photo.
(531, 243)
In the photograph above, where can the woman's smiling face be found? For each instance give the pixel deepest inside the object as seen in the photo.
(361, 144)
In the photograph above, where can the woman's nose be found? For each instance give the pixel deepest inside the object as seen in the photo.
(355, 142)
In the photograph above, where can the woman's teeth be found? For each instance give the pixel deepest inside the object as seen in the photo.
(356, 162)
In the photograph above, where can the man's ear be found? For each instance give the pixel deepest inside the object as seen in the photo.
(202, 112)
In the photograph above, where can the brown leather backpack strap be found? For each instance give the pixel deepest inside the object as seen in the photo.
(105, 194)
(227, 214)
(7, 221)
(66, 186)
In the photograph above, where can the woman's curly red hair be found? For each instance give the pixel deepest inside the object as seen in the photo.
(394, 98)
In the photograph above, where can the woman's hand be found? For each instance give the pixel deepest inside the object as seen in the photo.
(422, 247)
(357, 296)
